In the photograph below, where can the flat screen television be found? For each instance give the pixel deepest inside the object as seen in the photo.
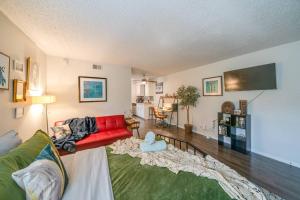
(261, 77)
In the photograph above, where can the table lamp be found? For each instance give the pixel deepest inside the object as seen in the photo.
(45, 99)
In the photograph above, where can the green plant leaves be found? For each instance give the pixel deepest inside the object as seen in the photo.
(188, 96)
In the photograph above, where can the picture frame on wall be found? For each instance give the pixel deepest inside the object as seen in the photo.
(212, 86)
(32, 75)
(19, 70)
(92, 89)
(159, 89)
(19, 93)
(4, 71)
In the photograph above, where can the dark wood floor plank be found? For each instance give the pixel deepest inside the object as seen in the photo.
(275, 176)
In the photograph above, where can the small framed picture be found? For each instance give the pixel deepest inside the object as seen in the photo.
(19, 94)
(19, 70)
(19, 112)
(92, 89)
(237, 112)
(212, 86)
(243, 107)
(159, 88)
(32, 75)
(4, 71)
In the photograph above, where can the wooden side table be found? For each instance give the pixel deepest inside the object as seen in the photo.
(133, 124)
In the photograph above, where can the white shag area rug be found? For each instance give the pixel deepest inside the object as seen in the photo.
(236, 186)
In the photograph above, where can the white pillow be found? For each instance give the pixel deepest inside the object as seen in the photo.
(9, 141)
(41, 180)
(61, 131)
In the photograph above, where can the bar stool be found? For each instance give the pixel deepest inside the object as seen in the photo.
(151, 112)
(160, 118)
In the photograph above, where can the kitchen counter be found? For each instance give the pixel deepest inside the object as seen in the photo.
(142, 110)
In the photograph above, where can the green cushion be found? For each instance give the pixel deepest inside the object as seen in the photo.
(17, 159)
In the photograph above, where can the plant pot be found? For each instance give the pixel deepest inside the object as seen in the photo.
(188, 128)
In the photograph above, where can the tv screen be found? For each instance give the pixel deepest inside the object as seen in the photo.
(261, 77)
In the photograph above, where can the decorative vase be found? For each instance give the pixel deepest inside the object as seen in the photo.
(188, 128)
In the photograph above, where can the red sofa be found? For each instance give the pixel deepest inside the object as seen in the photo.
(111, 129)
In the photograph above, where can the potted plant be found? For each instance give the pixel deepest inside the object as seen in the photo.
(188, 96)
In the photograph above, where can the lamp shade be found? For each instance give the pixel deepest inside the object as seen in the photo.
(45, 99)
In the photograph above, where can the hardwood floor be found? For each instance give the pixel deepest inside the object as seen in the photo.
(277, 177)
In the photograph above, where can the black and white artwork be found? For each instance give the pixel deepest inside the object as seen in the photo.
(19, 70)
(4, 71)
(159, 88)
(34, 77)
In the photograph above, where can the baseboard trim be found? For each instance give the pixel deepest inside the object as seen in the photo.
(294, 164)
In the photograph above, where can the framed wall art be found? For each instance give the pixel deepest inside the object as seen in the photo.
(19, 70)
(19, 94)
(243, 106)
(32, 76)
(4, 71)
(92, 89)
(159, 89)
(212, 86)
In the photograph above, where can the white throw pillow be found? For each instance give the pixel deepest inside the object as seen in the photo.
(61, 131)
(9, 141)
(41, 180)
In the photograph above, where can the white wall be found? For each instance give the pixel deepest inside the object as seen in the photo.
(275, 114)
(17, 45)
(62, 81)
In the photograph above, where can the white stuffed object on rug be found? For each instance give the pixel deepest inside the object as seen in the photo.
(41, 180)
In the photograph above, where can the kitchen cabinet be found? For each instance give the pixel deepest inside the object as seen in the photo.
(150, 89)
(140, 89)
(147, 89)
(143, 90)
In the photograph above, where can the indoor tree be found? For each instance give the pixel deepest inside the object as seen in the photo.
(188, 96)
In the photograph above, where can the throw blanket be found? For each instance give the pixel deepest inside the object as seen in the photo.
(80, 127)
(89, 177)
(67, 143)
(176, 160)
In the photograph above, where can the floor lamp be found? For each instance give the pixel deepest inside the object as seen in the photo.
(45, 99)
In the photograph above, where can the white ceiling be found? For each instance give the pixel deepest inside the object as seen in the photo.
(158, 36)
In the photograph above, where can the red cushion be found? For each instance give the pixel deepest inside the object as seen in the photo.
(110, 122)
(58, 123)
